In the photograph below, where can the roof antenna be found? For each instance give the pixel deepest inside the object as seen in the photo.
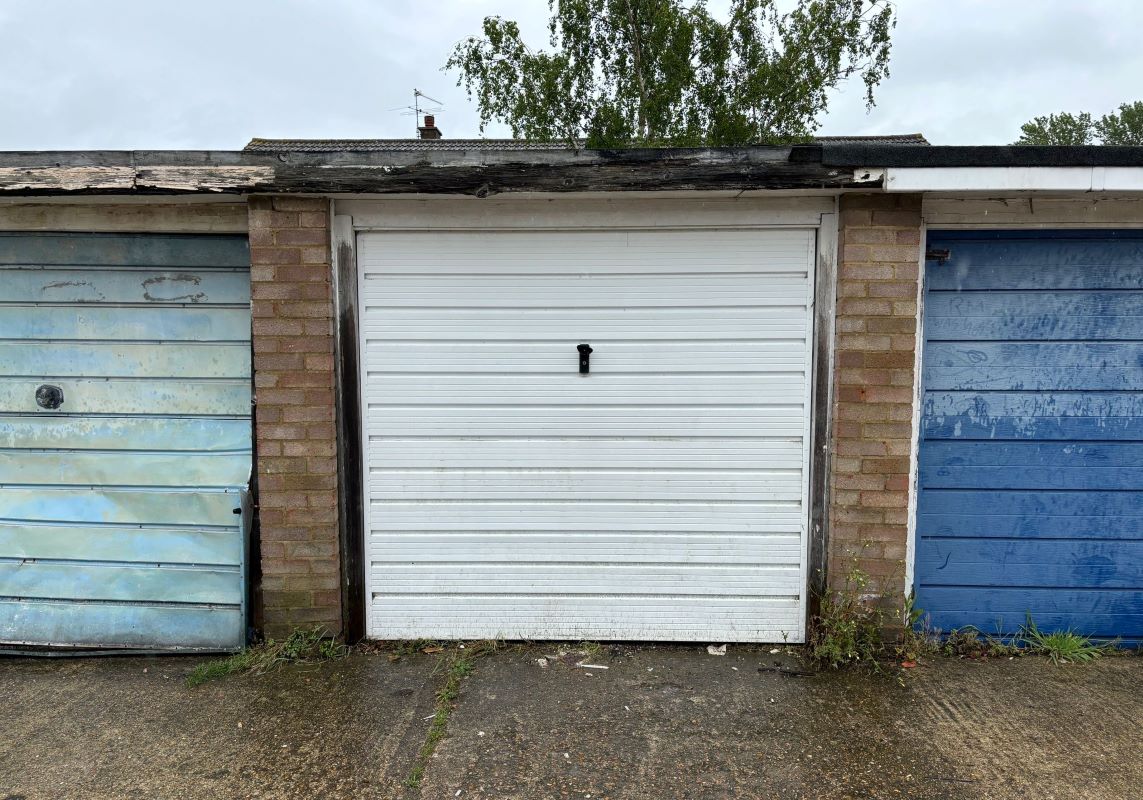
(417, 110)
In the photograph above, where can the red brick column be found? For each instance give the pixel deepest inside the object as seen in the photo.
(294, 384)
(876, 329)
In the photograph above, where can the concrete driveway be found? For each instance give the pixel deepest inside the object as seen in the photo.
(659, 722)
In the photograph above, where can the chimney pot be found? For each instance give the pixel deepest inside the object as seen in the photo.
(429, 130)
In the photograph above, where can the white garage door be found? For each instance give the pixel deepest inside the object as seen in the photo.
(661, 496)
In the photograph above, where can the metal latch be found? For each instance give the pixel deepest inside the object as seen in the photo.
(584, 358)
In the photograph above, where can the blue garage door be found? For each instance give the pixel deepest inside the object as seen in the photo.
(125, 439)
(1031, 456)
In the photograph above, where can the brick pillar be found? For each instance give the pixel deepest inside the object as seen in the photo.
(294, 385)
(876, 329)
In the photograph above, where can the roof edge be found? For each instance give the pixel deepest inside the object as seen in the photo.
(884, 156)
(458, 172)
(266, 145)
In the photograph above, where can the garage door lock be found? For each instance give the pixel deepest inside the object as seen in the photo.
(584, 358)
(49, 397)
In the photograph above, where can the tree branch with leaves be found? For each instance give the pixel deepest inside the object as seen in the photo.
(623, 73)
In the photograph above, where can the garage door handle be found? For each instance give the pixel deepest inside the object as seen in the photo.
(584, 358)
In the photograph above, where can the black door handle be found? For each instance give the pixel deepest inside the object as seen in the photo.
(584, 358)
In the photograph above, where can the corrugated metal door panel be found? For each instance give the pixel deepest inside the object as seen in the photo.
(596, 452)
(1031, 457)
(173, 626)
(176, 469)
(204, 434)
(171, 323)
(620, 614)
(605, 390)
(605, 291)
(548, 359)
(119, 523)
(119, 543)
(113, 396)
(461, 327)
(42, 284)
(662, 496)
(617, 420)
(121, 360)
(708, 517)
(170, 251)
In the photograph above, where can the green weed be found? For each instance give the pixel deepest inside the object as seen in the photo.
(846, 630)
(300, 647)
(1063, 647)
(918, 640)
(969, 642)
(458, 663)
(590, 649)
(407, 648)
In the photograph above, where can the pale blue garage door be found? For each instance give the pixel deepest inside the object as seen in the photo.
(125, 439)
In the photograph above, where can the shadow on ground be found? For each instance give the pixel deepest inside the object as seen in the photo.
(659, 722)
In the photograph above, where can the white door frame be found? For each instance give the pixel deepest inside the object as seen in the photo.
(818, 212)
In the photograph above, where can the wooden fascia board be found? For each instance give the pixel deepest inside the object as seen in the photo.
(475, 173)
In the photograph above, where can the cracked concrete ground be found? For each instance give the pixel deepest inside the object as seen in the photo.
(659, 722)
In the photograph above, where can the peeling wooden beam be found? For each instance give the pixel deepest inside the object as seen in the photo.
(204, 179)
(487, 180)
(475, 171)
(65, 180)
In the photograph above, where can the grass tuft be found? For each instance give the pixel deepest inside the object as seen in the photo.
(1063, 647)
(300, 647)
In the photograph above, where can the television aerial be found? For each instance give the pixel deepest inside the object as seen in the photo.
(419, 108)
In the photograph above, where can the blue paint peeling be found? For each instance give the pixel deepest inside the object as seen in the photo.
(1031, 456)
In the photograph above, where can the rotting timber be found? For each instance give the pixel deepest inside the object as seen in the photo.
(475, 172)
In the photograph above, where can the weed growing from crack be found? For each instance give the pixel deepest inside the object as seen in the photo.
(300, 647)
(407, 648)
(849, 627)
(1062, 647)
(590, 649)
(847, 630)
(918, 640)
(457, 664)
(970, 642)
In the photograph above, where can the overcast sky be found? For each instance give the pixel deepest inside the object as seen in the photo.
(147, 74)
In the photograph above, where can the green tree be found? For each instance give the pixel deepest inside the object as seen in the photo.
(667, 72)
(1123, 127)
(1062, 128)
